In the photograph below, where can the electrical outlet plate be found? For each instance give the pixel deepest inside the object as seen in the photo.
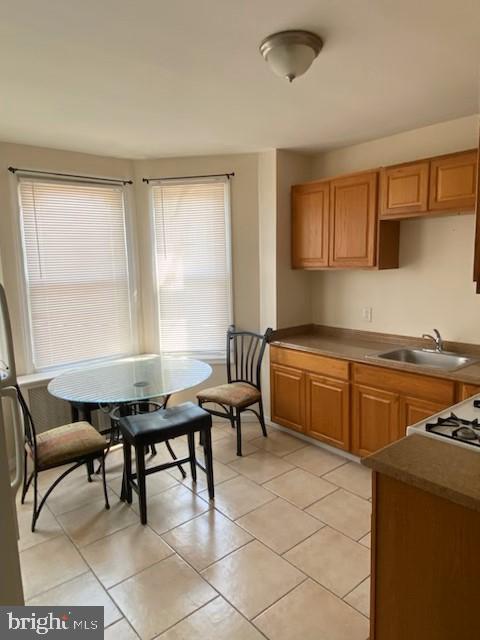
(367, 314)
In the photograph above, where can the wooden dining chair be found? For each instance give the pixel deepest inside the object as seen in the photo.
(245, 351)
(77, 443)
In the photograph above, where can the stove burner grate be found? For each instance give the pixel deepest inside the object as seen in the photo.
(456, 428)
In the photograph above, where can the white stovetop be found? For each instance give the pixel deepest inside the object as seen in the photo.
(464, 409)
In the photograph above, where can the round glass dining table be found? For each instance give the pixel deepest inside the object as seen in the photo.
(128, 380)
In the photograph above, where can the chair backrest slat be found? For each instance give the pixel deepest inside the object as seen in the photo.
(247, 349)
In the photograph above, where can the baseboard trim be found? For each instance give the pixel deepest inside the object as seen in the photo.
(321, 445)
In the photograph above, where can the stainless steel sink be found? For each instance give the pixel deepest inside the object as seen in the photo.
(445, 360)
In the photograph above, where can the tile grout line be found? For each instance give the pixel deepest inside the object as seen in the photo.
(60, 584)
(281, 597)
(254, 538)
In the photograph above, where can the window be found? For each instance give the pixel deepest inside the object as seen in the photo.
(192, 252)
(76, 271)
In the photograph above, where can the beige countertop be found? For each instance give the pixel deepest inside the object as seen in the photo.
(441, 468)
(363, 346)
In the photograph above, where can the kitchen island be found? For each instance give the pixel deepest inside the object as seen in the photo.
(425, 536)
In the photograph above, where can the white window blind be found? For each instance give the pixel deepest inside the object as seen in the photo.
(76, 267)
(192, 251)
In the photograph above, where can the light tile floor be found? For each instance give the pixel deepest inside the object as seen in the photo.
(282, 553)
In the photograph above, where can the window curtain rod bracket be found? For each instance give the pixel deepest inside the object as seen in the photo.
(69, 175)
(210, 175)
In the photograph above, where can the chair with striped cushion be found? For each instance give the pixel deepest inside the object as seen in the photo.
(73, 444)
(245, 351)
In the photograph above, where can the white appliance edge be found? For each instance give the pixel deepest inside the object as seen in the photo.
(463, 409)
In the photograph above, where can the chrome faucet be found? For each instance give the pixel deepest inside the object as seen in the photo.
(437, 339)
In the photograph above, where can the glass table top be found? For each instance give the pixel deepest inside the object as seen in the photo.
(129, 379)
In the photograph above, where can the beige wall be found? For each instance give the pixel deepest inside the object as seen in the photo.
(267, 220)
(433, 287)
(294, 301)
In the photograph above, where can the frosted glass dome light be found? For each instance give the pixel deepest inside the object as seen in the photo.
(291, 53)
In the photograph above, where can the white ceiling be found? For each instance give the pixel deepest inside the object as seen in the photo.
(152, 78)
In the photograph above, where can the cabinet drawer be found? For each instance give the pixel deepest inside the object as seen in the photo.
(330, 367)
(407, 384)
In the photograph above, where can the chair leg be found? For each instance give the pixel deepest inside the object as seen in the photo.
(201, 432)
(238, 423)
(191, 453)
(114, 439)
(141, 482)
(153, 450)
(126, 494)
(209, 462)
(104, 479)
(231, 417)
(35, 500)
(172, 453)
(26, 483)
(90, 470)
(29, 481)
(261, 418)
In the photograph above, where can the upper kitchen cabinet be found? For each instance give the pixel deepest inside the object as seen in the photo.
(445, 184)
(310, 224)
(453, 182)
(404, 189)
(353, 220)
(335, 225)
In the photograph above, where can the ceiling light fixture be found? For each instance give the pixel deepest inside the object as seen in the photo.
(291, 53)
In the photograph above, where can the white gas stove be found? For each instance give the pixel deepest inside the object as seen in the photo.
(459, 424)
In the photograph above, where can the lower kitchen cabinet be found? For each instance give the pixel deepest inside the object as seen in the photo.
(375, 419)
(467, 391)
(287, 386)
(328, 410)
(352, 406)
(413, 410)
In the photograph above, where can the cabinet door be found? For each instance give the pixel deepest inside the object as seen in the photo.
(375, 419)
(327, 410)
(414, 410)
(453, 182)
(287, 388)
(353, 220)
(467, 391)
(404, 190)
(310, 211)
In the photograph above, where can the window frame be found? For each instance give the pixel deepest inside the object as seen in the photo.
(23, 293)
(205, 356)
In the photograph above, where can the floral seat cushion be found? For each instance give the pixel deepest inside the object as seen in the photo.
(234, 394)
(67, 443)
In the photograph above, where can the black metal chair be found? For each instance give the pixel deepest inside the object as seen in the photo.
(245, 351)
(77, 443)
(145, 429)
